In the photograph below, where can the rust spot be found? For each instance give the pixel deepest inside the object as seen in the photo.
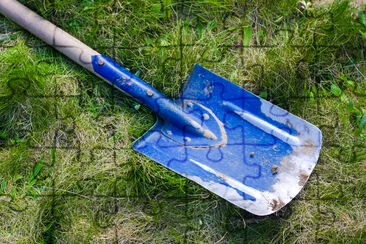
(274, 169)
(303, 177)
(277, 205)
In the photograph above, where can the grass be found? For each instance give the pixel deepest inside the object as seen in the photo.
(67, 170)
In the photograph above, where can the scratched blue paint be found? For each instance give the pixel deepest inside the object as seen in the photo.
(247, 156)
(127, 82)
(243, 137)
(132, 85)
(235, 158)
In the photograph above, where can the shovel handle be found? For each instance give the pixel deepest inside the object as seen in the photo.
(48, 32)
(102, 66)
(81, 53)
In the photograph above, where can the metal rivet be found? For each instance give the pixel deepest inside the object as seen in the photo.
(190, 104)
(169, 132)
(187, 139)
(205, 116)
(252, 154)
(100, 62)
(150, 93)
(209, 89)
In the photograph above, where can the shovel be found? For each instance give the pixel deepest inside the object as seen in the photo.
(233, 143)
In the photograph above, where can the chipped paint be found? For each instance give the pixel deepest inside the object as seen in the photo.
(291, 174)
(295, 168)
(274, 169)
(303, 177)
(277, 205)
(268, 154)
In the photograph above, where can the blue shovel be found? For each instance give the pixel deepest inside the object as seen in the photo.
(233, 143)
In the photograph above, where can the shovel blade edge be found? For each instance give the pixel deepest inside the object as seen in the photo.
(264, 155)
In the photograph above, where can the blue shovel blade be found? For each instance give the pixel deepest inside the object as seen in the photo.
(263, 154)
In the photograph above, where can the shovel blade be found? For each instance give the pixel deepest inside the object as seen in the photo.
(262, 157)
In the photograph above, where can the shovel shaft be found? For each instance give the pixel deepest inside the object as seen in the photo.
(101, 66)
(164, 107)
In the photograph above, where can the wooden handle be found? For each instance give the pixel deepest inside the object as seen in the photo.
(48, 32)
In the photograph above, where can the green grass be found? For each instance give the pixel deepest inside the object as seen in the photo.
(67, 170)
